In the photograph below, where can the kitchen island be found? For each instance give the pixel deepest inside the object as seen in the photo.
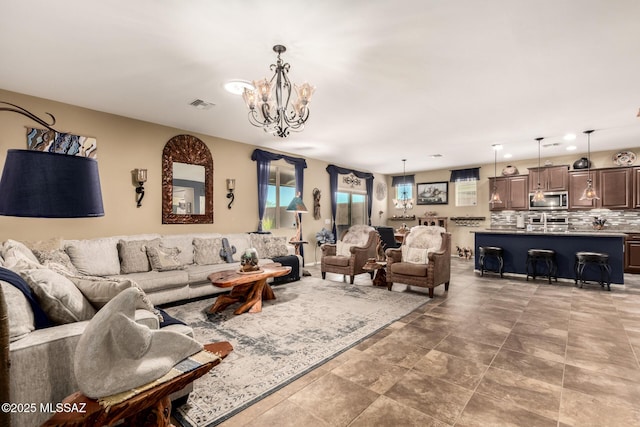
(516, 243)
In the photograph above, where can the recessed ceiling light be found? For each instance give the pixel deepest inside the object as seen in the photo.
(497, 147)
(508, 156)
(236, 87)
(569, 137)
(571, 147)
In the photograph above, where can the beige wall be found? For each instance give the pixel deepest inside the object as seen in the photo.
(125, 144)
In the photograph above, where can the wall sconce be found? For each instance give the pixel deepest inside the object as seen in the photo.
(139, 177)
(231, 185)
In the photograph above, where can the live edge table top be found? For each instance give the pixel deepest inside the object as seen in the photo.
(230, 278)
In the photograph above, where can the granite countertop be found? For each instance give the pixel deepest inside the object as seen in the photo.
(592, 233)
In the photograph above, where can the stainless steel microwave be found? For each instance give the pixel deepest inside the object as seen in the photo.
(551, 201)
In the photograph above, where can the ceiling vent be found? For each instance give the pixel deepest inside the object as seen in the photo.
(201, 105)
(552, 144)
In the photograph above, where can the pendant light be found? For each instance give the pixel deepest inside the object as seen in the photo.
(495, 196)
(538, 196)
(404, 202)
(589, 192)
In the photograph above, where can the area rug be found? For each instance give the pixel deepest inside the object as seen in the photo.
(310, 322)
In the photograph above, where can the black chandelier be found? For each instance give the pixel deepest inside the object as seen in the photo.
(278, 117)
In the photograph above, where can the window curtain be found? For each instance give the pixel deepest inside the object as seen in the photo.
(334, 171)
(472, 174)
(399, 180)
(263, 161)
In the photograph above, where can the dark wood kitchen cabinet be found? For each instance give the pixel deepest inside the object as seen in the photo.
(552, 178)
(632, 253)
(514, 192)
(612, 185)
(635, 187)
(615, 188)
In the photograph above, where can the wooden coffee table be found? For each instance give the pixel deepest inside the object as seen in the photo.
(250, 288)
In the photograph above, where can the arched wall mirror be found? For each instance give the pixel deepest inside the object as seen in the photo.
(187, 181)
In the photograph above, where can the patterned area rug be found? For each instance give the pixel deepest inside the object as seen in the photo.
(310, 322)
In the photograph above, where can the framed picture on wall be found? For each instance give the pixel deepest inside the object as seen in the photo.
(433, 193)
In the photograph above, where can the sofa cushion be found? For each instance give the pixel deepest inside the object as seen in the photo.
(184, 242)
(133, 255)
(241, 241)
(207, 250)
(100, 290)
(269, 246)
(58, 296)
(152, 281)
(18, 256)
(21, 320)
(96, 257)
(164, 259)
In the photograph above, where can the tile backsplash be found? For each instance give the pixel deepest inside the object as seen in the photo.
(578, 220)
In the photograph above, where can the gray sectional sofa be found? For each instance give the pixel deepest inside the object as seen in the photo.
(72, 279)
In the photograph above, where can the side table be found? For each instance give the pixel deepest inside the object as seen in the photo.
(380, 268)
(151, 408)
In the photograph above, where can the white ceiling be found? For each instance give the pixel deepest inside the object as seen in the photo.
(395, 79)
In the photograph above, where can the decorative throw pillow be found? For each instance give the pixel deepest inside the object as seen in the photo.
(343, 249)
(207, 250)
(57, 260)
(415, 255)
(17, 256)
(98, 257)
(164, 259)
(45, 245)
(58, 296)
(269, 246)
(133, 255)
(184, 242)
(21, 320)
(100, 290)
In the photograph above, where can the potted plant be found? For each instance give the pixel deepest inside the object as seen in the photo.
(324, 236)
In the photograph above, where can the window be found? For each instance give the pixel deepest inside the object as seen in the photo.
(351, 209)
(466, 193)
(404, 191)
(281, 190)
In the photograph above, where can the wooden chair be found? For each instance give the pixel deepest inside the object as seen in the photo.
(413, 271)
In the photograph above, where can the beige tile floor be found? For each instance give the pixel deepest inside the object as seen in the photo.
(489, 352)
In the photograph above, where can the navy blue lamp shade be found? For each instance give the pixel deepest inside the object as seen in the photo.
(48, 185)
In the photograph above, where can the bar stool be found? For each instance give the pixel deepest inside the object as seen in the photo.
(597, 258)
(548, 256)
(491, 251)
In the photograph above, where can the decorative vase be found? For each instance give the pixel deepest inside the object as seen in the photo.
(581, 163)
(509, 170)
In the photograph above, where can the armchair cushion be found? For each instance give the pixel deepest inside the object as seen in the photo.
(409, 269)
(425, 237)
(415, 255)
(343, 248)
(337, 260)
(358, 235)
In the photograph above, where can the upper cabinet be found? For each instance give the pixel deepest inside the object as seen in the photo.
(513, 192)
(614, 186)
(551, 178)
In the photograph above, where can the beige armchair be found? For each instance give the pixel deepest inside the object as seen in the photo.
(423, 260)
(350, 253)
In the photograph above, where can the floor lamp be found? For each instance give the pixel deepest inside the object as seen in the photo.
(297, 206)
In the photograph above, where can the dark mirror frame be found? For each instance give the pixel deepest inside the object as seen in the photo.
(191, 150)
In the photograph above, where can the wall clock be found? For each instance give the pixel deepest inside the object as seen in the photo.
(381, 191)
